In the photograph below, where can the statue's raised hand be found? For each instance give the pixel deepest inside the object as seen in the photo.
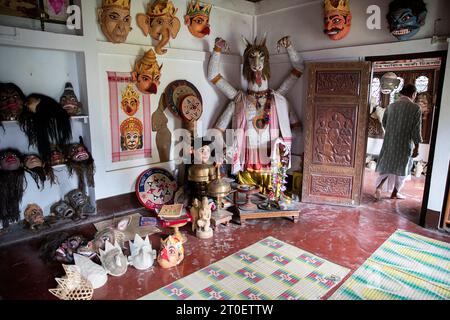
(284, 42)
(222, 45)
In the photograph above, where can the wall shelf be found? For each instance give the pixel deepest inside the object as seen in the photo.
(85, 120)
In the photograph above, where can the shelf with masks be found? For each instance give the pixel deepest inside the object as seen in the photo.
(84, 119)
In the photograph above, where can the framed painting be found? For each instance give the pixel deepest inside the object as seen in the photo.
(56, 10)
(20, 8)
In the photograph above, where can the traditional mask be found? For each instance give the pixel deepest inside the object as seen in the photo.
(9, 160)
(81, 161)
(405, 18)
(45, 122)
(113, 259)
(36, 168)
(12, 100)
(172, 252)
(389, 82)
(131, 134)
(80, 202)
(160, 22)
(130, 100)
(256, 62)
(142, 255)
(56, 156)
(32, 161)
(34, 216)
(69, 101)
(65, 251)
(115, 20)
(62, 210)
(338, 18)
(12, 177)
(147, 73)
(108, 234)
(197, 19)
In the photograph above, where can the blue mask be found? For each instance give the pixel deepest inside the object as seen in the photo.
(404, 24)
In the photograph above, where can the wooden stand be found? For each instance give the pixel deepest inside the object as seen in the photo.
(262, 214)
(221, 217)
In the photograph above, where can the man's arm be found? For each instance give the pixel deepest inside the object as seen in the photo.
(416, 133)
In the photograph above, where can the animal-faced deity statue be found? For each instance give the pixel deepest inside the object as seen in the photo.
(131, 131)
(34, 216)
(160, 22)
(12, 101)
(115, 19)
(172, 252)
(69, 101)
(406, 17)
(337, 18)
(147, 73)
(197, 18)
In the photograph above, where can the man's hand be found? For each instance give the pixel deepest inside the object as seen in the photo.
(284, 42)
(222, 45)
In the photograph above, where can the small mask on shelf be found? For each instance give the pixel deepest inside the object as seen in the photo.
(56, 156)
(34, 216)
(69, 101)
(34, 165)
(80, 160)
(12, 101)
(62, 210)
(80, 202)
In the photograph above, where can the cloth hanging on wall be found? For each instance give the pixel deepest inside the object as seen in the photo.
(130, 115)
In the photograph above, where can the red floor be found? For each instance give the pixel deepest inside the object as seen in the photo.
(344, 236)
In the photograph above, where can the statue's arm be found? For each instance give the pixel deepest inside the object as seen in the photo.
(225, 118)
(297, 66)
(214, 71)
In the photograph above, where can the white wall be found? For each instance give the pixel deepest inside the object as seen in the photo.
(303, 21)
(442, 151)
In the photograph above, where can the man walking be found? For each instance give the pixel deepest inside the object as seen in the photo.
(402, 122)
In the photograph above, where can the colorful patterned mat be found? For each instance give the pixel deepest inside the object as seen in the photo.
(267, 270)
(407, 266)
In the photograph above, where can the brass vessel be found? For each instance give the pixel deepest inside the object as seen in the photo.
(201, 173)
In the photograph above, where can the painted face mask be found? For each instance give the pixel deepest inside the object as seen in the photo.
(337, 18)
(160, 22)
(34, 165)
(69, 101)
(12, 101)
(62, 210)
(130, 101)
(80, 202)
(389, 82)
(405, 18)
(115, 20)
(131, 134)
(197, 19)
(34, 216)
(172, 252)
(9, 161)
(81, 162)
(56, 156)
(147, 73)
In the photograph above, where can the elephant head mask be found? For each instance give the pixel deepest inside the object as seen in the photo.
(160, 22)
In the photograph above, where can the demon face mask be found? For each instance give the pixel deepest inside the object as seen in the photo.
(69, 101)
(405, 18)
(81, 161)
(12, 100)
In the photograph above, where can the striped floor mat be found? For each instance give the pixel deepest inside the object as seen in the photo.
(407, 266)
(267, 270)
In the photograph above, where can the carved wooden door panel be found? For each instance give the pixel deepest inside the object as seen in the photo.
(336, 132)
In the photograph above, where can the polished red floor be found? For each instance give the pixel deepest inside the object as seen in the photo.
(346, 236)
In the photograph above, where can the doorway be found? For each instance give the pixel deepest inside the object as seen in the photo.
(426, 72)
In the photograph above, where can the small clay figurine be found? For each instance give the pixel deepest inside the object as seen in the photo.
(172, 252)
(194, 214)
(44, 121)
(12, 187)
(115, 19)
(69, 101)
(80, 160)
(113, 259)
(197, 18)
(12, 102)
(142, 255)
(204, 230)
(34, 216)
(80, 202)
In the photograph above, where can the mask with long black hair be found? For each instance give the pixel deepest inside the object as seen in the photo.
(80, 160)
(39, 170)
(45, 122)
(12, 101)
(12, 186)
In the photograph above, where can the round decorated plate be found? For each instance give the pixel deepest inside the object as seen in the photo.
(176, 91)
(191, 108)
(155, 187)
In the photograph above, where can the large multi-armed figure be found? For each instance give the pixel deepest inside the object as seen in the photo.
(260, 117)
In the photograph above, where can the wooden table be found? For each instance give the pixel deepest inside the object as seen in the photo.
(263, 214)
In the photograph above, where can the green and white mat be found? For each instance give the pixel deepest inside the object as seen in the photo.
(407, 266)
(267, 270)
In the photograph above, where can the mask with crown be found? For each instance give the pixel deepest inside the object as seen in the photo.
(115, 19)
(197, 18)
(147, 73)
(338, 18)
(131, 131)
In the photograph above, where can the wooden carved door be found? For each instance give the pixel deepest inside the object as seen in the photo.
(336, 132)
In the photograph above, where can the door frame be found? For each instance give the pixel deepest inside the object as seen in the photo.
(433, 54)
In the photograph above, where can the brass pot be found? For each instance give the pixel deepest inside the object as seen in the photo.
(201, 173)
